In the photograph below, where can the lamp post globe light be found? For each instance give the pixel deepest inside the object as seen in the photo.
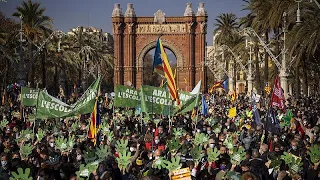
(298, 21)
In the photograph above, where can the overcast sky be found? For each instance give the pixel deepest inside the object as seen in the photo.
(72, 13)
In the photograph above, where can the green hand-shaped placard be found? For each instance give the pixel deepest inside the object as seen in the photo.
(211, 121)
(196, 153)
(110, 136)
(40, 134)
(25, 150)
(25, 135)
(275, 162)
(146, 119)
(238, 156)
(233, 175)
(174, 164)
(217, 129)
(102, 152)
(287, 158)
(159, 163)
(178, 132)
(157, 121)
(84, 171)
(294, 162)
(213, 154)
(32, 117)
(173, 145)
(75, 126)
(89, 156)
(21, 175)
(249, 114)
(121, 145)
(71, 142)
(314, 153)
(123, 160)
(61, 144)
(128, 113)
(201, 139)
(228, 142)
(4, 123)
(105, 128)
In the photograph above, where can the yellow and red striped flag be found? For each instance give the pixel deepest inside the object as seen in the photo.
(234, 96)
(94, 124)
(161, 63)
(193, 114)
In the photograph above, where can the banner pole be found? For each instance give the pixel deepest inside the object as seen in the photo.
(114, 122)
(35, 118)
(197, 118)
(169, 119)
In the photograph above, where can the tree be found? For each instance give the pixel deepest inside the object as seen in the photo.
(226, 27)
(35, 26)
(149, 77)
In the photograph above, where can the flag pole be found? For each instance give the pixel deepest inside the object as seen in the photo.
(197, 118)
(169, 118)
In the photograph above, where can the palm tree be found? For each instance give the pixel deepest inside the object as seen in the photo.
(93, 53)
(35, 26)
(226, 26)
(259, 10)
(303, 42)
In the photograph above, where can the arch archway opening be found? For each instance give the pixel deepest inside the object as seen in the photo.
(153, 78)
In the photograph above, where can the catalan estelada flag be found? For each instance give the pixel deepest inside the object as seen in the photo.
(161, 63)
(94, 123)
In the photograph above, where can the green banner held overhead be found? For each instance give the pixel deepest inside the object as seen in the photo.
(29, 96)
(50, 107)
(156, 100)
(126, 97)
(87, 101)
(192, 102)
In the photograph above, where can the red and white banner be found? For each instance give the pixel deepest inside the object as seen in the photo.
(277, 98)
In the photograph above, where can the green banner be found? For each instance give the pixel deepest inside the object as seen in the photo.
(189, 104)
(50, 107)
(156, 100)
(29, 96)
(126, 97)
(86, 102)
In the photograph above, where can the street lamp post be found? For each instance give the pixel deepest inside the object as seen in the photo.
(249, 76)
(238, 61)
(21, 76)
(298, 21)
(281, 66)
(283, 71)
(22, 68)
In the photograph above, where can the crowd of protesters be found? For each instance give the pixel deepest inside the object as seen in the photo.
(148, 142)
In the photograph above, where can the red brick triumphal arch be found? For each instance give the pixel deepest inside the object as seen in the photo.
(185, 36)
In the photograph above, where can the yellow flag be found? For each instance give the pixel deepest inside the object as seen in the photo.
(232, 112)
